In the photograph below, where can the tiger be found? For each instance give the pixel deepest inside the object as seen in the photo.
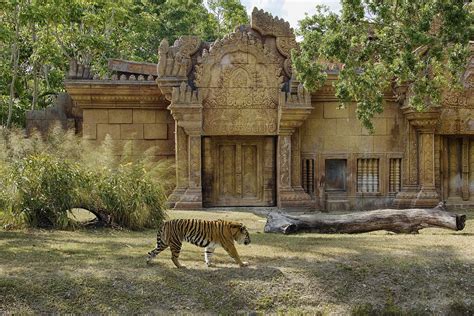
(202, 233)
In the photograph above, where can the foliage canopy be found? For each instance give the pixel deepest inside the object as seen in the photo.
(38, 37)
(381, 44)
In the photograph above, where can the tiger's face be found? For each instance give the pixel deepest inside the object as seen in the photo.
(241, 234)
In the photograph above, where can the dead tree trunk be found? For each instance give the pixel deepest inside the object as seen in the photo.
(397, 221)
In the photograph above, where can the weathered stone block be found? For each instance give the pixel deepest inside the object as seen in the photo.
(386, 143)
(163, 116)
(156, 131)
(120, 116)
(336, 143)
(348, 127)
(362, 144)
(391, 109)
(331, 110)
(96, 116)
(171, 130)
(111, 129)
(324, 128)
(140, 147)
(318, 111)
(164, 147)
(131, 131)
(144, 116)
(89, 131)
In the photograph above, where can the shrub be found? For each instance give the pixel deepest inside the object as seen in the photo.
(46, 187)
(42, 178)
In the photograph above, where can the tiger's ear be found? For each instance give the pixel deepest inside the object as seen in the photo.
(238, 225)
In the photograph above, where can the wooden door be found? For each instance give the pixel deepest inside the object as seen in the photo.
(238, 171)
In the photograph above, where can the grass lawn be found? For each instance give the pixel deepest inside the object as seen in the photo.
(104, 271)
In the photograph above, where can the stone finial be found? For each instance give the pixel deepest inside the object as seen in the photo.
(175, 61)
(79, 71)
(300, 97)
(266, 24)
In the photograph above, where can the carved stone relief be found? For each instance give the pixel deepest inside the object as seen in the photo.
(239, 81)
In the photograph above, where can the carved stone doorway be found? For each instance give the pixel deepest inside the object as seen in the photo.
(238, 171)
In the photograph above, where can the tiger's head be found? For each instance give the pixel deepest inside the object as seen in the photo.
(240, 233)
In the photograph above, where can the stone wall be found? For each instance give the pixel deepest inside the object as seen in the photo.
(333, 133)
(62, 113)
(144, 128)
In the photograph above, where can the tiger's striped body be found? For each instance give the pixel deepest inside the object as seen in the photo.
(202, 233)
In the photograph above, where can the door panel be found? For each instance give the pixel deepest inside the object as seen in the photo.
(249, 171)
(227, 170)
(238, 171)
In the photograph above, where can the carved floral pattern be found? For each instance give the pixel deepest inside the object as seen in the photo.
(286, 44)
(285, 152)
(240, 121)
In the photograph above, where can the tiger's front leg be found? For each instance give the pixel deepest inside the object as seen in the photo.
(230, 248)
(208, 252)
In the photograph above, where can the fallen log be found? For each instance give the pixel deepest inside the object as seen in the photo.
(393, 220)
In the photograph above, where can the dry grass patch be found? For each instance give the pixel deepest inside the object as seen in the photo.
(104, 271)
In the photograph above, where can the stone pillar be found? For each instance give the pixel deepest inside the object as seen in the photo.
(465, 169)
(186, 108)
(290, 192)
(419, 188)
(428, 196)
(182, 178)
(284, 161)
(410, 187)
(192, 198)
(294, 108)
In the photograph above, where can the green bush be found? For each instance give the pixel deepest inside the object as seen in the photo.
(41, 179)
(46, 188)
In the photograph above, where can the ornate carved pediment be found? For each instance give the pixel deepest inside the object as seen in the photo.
(239, 80)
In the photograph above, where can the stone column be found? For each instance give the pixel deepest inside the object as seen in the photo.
(186, 108)
(284, 169)
(182, 178)
(290, 192)
(428, 196)
(192, 198)
(284, 161)
(465, 169)
(410, 187)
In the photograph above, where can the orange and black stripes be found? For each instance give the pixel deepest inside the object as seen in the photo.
(201, 233)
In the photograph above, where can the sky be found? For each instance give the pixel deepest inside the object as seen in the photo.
(290, 10)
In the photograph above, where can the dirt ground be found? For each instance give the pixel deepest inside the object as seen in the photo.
(104, 271)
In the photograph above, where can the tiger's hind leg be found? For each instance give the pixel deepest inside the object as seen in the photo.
(160, 246)
(175, 250)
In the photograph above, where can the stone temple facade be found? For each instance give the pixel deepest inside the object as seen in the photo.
(243, 132)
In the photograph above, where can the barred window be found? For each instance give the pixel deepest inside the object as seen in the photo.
(368, 175)
(395, 177)
(308, 175)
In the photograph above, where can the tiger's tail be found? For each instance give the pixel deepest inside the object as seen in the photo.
(160, 245)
